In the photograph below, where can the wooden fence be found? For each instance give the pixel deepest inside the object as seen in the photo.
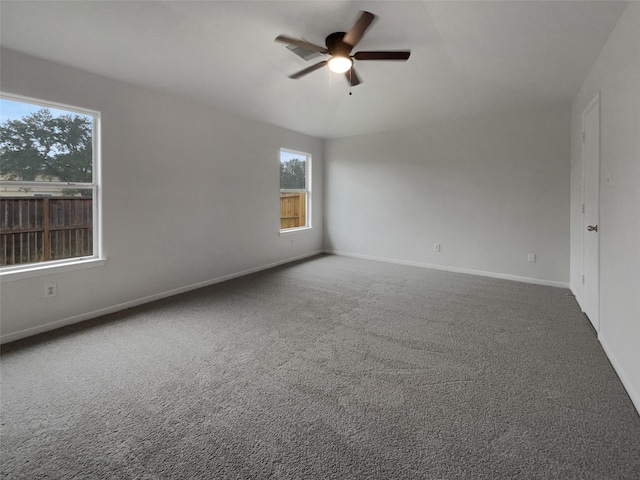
(45, 228)
(293, 209)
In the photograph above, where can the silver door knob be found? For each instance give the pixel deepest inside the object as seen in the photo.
(592, 228)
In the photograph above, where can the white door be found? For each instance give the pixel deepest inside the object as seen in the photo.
(591, 189)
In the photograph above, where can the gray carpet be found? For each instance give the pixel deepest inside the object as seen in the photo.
(328, 368)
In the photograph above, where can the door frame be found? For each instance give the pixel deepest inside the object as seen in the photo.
(595, 102)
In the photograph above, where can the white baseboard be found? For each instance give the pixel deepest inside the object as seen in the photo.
(537, 281)
(10, 337)
(635, 396)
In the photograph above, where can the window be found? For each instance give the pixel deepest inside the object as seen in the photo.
(48, 184)
(295, 190)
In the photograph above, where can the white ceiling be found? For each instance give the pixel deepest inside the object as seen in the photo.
(467, 58)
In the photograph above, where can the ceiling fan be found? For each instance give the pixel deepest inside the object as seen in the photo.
(339, 46)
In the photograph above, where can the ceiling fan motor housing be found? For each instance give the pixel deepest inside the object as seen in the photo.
(336, 45)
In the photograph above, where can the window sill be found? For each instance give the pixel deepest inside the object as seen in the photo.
(39, 270)
(294, 230)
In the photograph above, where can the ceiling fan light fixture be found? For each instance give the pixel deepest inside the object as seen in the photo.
(340, 64)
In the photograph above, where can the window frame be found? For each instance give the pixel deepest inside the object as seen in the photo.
(307, 190)
(15, 272)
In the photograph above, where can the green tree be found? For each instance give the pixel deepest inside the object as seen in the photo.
(41, 145)
(292, 174)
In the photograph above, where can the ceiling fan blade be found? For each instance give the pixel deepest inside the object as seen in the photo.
(352, 77)
(400, 55)
(303, 53)
(310, 69)
(300, 43)
(353, 36)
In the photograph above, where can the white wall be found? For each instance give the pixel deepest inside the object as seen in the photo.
(616, 75)
(489, 190)
(189, 195)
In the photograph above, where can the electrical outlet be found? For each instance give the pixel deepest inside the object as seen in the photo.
(436, 247)
(50, 290)
(531, 257)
